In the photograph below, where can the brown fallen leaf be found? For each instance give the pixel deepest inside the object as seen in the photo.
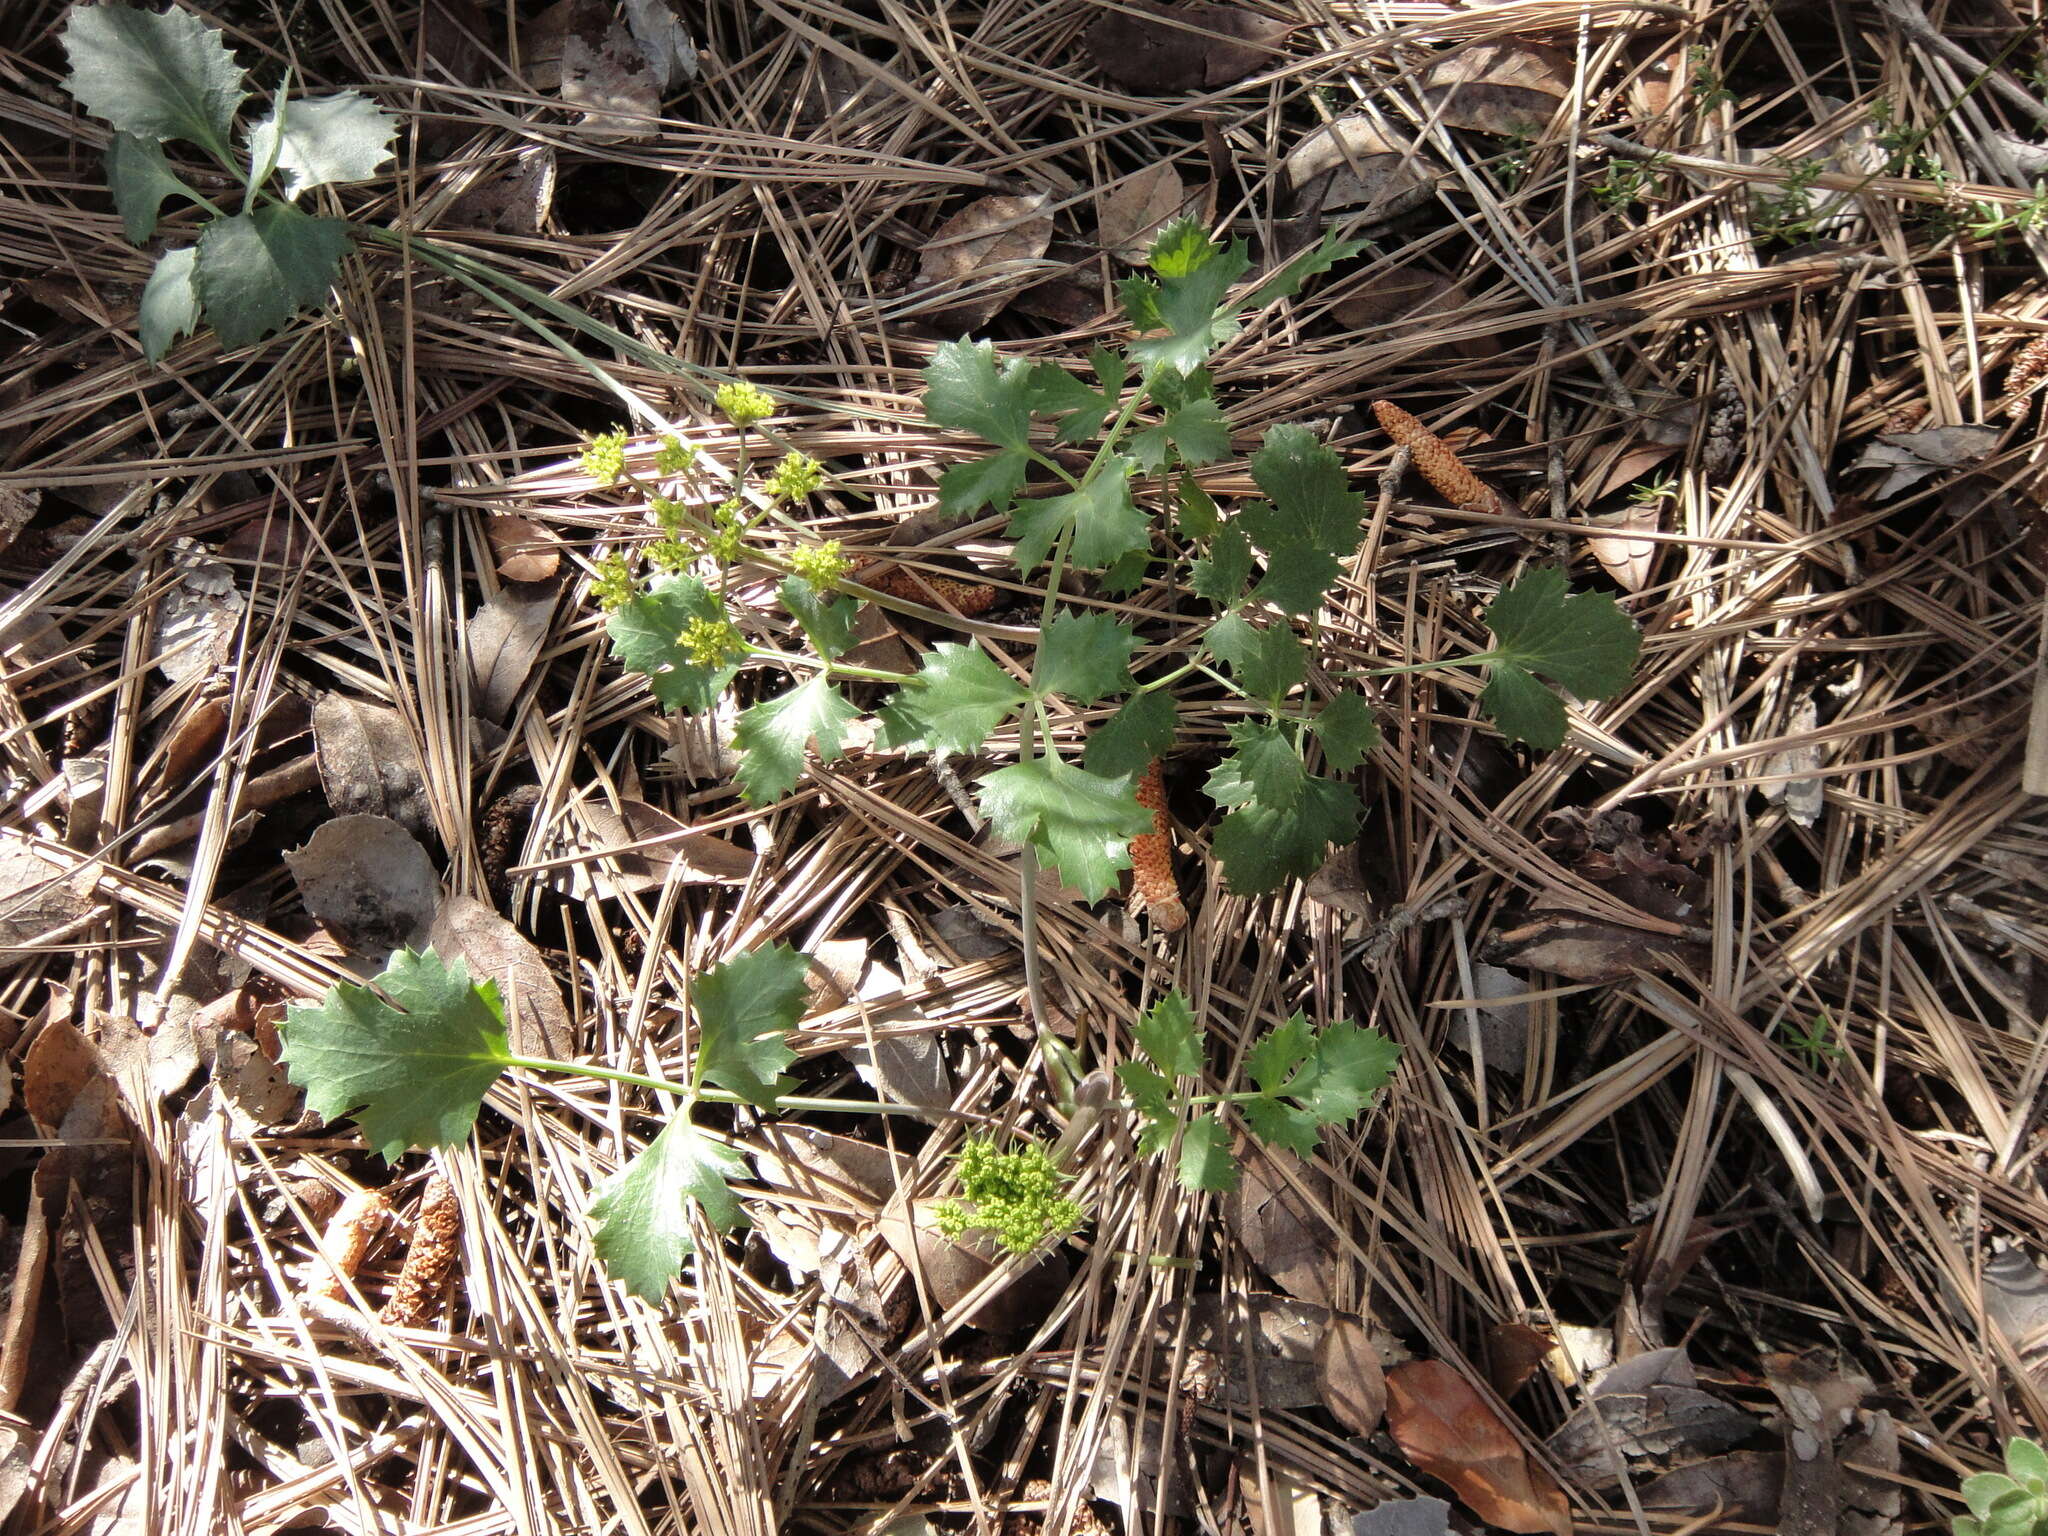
(1505, 88)
(981, 243)
(1348, 1370)
(1354, 163)
(369, 882)
(1168, 48)
(657, 843)
(1515, 1352)
(575, 49)
(189, 743)
(1130, 214)
(1915, 456)
(17, 506)
(1451, 1433)
(1580, 948)
(513, 197)
(524, 550)
(953, 1270)
(1628, 560)
(1280, 1230)
(1741, 1487)
(1647, 1410)
(505, 637)
(537, 1020)
(197, 616)
(1393, 305)
(368, 763)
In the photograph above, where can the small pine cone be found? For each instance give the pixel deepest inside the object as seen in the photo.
(436, 1235)
(2028, 368)
(915, 587)
(1152, 859)
(1437, 461)
(346, 1242)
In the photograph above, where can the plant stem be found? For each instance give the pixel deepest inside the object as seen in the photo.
(1483, 659)
(711, 1095)
(830, 668)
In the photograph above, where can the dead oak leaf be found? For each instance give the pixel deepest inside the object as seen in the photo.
(1162, 48)
(972, 248)
(1450, 1432)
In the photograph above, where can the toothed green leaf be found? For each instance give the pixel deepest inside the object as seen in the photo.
(1260, 845)
(1106, 522)
(956, 702)
(965, 391)
(1167, 1035)
(1266, 663)
(170, 302)
(1085, 657)
(646, 636)
(745, 1009)
(141, 178)
(1347, 730)
(1264, 767)
(1206, 1161)
(1131, 738)
(1220, 575)
(994, 481)
(828, 620)
(411, 1060)
(771, 736)
(1540, 628)
(1081, 825)
(256, 269)
(325, 139)
(156, 74)
(641, 1214)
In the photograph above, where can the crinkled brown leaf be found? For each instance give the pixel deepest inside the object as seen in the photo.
(1503, 87)
(1130, 213)
(369, 882)
(368, 764)
(1354, 163)
(536, 1019)
(524, 550)
(1280, 1230)
(505, 637)
(1354, 1386)
(975, 245)
(1586, 949)
(1171, 48)
(1450, 1432)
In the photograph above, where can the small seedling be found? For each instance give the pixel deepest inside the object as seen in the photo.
(1650, 493)
(1787, 212)
(1708, 89)
(1815, 1045)
(2009, 1503)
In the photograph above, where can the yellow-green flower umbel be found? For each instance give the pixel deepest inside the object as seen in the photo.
(796, 477)
(824, 565)
(604, 460)
(743, 405)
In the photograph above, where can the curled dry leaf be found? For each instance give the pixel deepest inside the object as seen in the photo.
(1503, 1025)
(1450, 1432)
(576, 49)
(987, 240)
(952, 1270)
(1169, 48)
(1741, 1487)
(1506, 88)
(1276, 1336)
(663, 41)
(61, 1069)
(1348, 1370)
(513, 197)
(1280, 1229)
(1130, 213)
(657, 843)
(40, 899)
(1580, 948)
(196, 616)
(255, 1088)
(1403, 1517)
(1354, 163)
(524, 550)
(368, 763)
(1911, 457)
(369, 882)
(536, 1019)
(1647, 1411)
(505, 638)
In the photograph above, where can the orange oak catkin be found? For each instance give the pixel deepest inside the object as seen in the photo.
(1152, 859)
(966, 599)
(346, 1242)
(437, 1233)
(1436, 461)
(2027, 370)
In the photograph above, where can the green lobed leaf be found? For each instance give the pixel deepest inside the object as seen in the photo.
(141, 178)
(1220, 575)
(956, 702)
(1311, 500)
(1580, 639)
(1167, 1035)
(1206, 1161)
(1265, 767)
(641, 1213)
(1982, 1490)
(771, 736)
(1081, 824)
(1347, 730)
(256, 268)
(1345, 1072)
(2025, 1459)
(1197, 431)
(1131, 738)
(964, 390)
(1186, 301)
(170, 302)
(992, 481)
(412, 1065)
(745, 1009)
(828, 620)
(156, 74)
(1110, 370)
(1125, 574)
(1084, 657)
(1266, 663)
(1272, 1059)
(1523, 708)
(1320, 257)
(1106, 522)
(1297, 578)
(1196, 510)
(325, 139)
(1078, 410)
(1152, 1098)
(1260, 846)
(645, 635)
